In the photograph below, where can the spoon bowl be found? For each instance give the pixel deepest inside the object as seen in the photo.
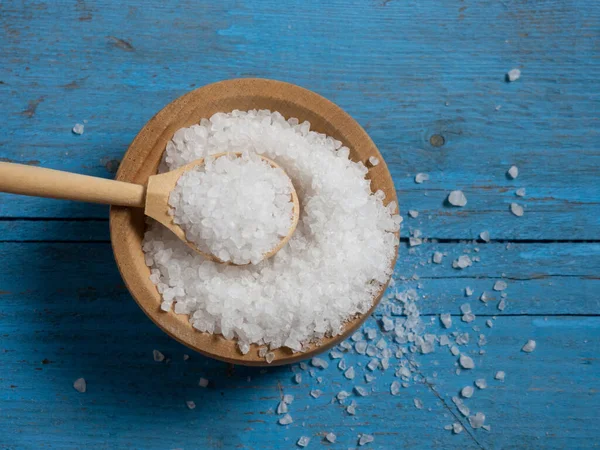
(127, 225)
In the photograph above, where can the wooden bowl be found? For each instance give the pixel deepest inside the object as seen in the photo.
(127, 225)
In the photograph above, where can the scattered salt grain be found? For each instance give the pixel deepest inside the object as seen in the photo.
(349, 374)
(369, 378)
(467, 392)
(418, 403)
(513, 75)
(520, 192)
(437, 257)
(203, 382)
(500, 375)
(298, 378)
(513, 172)
(288, 398)
(529, 346)
(446, 320)
(373, 160)
(421, 177)
(342, 365)
(269, 357)
(395, 388)
(316, 393)
(414, 241)
(484, 297)
(468, 291)
(342, 395)
(80, 385)
(303, 441)
(412, 213)
(285, 420)
(78, 129)
(489, 323)
(457, 428)
(481, 383)
(454, 350)
(516, 209)
(361, 391)
(462, 262)
(186, 357)
(466, 362)
(457, 198)
(365, 439)
(282, 407)
(477, 420)
(361, 347)
(319, 362)
(500, 285)
(330, 437)
(158, 356)
(501, 305)
(485, 236)
(190, 404)
(351, 409)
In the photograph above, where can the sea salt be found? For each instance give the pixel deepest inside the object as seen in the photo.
(316, 393)
(437, 257)
(500, 375)
(477, 420)
(190, 404)
(365, 439)
(468, 291)
(446, 320)
(373, 160)
(529, 346)
(457, 198)
(158, 356)
(457, 428)
(78, 129)
(481, 383)
(330, 437)
(361, 391)
(485, 236)
(319, 362)
(395, 388)
(349, 374)
(298, 378)
(462, 262)
(500, 285)
(418, 403)
(285, 420)
(467, 392)
(288, 398)
(303, 441)
(282, 407)
(513, 172)
(203, 382)
(80, 385)
(329, 276)
(520, 192)
(513, 75)
(516, 209)
(421, 177)
(466, 362)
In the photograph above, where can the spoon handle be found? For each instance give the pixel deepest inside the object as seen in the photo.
(40, 182)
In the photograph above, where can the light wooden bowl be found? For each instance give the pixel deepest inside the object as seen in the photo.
(127, 225)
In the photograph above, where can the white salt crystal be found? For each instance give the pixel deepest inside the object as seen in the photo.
(484, 297)
(466, 362)
(298, 378)
(412, 213)
(437, 257)
(468, 291)
(369, 378)
(319, 362)
(457, 198)
(361, 391)
(388, 324)
(395, 388)
(516, 209)
(316, 393)
(500, 375)
(334, 354)
(203, 382)
(288, 398)
(373, 364)
(454, 350)
(477, 420)
(501, 305)
(462, 262)
(529, 346)
(500, 285)
(513, 172)
(513, 75)
(480, 383)
(303, 441)
(342, 365)
(80, 385)
(457, 428)
(414, 241)
(489, 323)
(262, 352)
(330, 437)
(373, 160)
(520, 192)
(349, 373)
(365, 439)
(342, 395)
(282, 407)
(465, 308)
(421, 177)
(158, 356)
(244, 347)
(485, 236)
(190, 404)
(285, 420)
(186, 357)
(444, 340)
(418, 403)
(467, 392)
(361, 347)
(446, 320)
(269, 357)
(78, 129)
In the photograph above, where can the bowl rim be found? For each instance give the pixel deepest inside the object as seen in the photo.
(126, 223)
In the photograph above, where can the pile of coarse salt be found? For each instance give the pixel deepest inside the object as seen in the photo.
(330, 270)
(237, 209)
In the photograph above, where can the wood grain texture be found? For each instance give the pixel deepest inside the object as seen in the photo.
(406, 71)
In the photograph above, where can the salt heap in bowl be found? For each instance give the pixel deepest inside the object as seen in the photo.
(337, 261)
(237, 209)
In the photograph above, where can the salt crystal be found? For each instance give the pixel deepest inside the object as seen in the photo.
(500, 285)
(190, 404)
(342, 395)
(480, 383)
(489, 323)
(388, 324)
(446, 320)
(349, 374)
(418, 403)
(465, 308)
(468, 317)
(369, 378)
(457, 198)
(454, 350)
(285, 420)
(466, 362)
(485, 236)
(513, 172)
(484, 297)
(414, 241)
(516, 209)
(351, 409)
(330, 437)
(395, 388)
(468, 291)
(477, 420)
(457, 428)
(513, 75)
(186, 357)
(437, 257)
(203, 382)
(315, 393)
(80, 385)
(158, 356)
(361, 347)
(529, 346)
(421, 177)
(282, 407)
(342, 365)
(500, 375)
(412, 213)
(467, 392)
(303, 441)
(501, 305)
(298, 378)
(365, 439)
(320, 363)
(78, 129)
(288, 398)
(462, 262)
(361, 391)
(373, 364)
(373, 160)
(520, 192)
(269, 357)
(334, 354)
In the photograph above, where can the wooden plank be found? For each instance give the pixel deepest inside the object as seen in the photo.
(547, 123)
(540, 280)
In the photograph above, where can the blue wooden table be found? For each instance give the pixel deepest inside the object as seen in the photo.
(426, 80)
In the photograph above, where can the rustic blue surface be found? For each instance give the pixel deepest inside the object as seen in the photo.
(406, 70)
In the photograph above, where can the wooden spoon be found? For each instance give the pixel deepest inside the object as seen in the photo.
(154, 197)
